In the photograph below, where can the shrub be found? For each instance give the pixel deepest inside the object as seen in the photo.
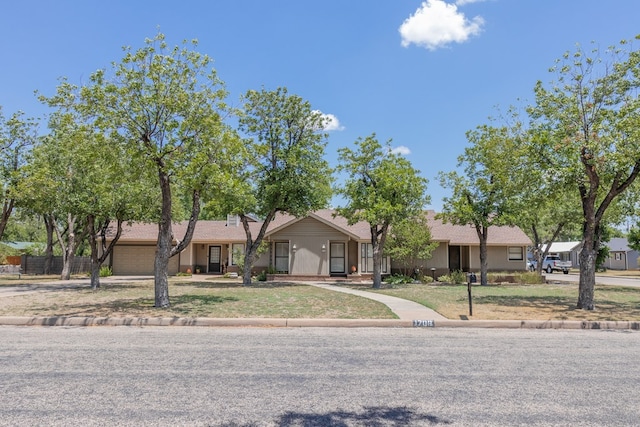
(398, 279)
(531, 278)
(425, 278)
(271, 270)
(459, 277)
(262, 276)
(455, 278)
(105, 271)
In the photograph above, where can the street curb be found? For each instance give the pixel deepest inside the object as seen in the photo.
(323, 323)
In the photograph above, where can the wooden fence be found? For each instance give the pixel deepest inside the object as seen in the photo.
(35, 264)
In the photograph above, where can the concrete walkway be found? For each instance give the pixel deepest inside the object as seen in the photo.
(404, 309)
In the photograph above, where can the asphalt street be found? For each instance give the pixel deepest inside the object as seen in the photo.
(188, 376)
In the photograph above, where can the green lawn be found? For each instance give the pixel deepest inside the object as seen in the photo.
(227, 298)
(523, 302)
(206, 298)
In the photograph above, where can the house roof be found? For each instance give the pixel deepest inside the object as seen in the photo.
(618, 244)
(465, 235)
(358, 231)
(207, 231)
(560, 247)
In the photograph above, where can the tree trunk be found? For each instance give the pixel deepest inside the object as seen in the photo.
(99, 257)
(252, 246)
(95, 259)
(483, 234)
(249, 255)
(95, 275)
(378, 238)
(587, 278)
(49, 222)
(68, 249)
(163, 247)
(67, 259)
(7, 208)
(377, 267)
(588, 256)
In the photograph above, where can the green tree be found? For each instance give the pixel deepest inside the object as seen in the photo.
(409, 244)
(17, 136)
(52, 186)
(382, 188)
(488, 192)
(166, 106)
(592, 114)
(550, 210)
(284, 169)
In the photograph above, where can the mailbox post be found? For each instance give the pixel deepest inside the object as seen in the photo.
(471, 279)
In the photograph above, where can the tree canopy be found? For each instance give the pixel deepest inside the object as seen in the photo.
(488, 193)
(166, 106)
(591, 114)
(382, 188)
(284, 168)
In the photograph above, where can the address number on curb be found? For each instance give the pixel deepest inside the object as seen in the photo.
(423, 324)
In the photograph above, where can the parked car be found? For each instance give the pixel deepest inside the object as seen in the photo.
(550, 264)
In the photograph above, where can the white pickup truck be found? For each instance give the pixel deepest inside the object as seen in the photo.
(553, 263)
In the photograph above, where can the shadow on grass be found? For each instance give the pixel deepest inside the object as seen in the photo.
(560, 304)
(182, 304)
(370, 416)
(237, 285)
(522, 301)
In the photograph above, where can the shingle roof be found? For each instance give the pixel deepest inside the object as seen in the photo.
(618, 244)
(207, 231)
(465, 235)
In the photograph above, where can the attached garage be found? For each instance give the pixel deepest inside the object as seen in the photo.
(138, 260)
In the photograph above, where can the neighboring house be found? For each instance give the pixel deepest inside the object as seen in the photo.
(621, 256)
(567, 251)
(318, 245)
(459, 248)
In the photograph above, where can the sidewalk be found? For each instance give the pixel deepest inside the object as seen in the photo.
(404, 309)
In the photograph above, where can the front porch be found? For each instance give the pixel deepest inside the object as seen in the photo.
(317, 278)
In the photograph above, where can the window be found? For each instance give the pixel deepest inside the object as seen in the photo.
(282, 257)
(515, 253)
(237, 252)
(367, 259)
(618, 256)
(337, 257)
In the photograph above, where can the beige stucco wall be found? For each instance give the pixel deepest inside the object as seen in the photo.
(309, 235)
(439, 260)
(497, 259)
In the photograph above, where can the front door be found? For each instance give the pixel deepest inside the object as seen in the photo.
(336, 256)
(454, 258)
(214, 259)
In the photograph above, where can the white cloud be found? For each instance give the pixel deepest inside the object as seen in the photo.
(331, 122)
(402, 150)
(436, 24)
(463, 2)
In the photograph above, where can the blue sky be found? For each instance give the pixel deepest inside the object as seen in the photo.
(421, 73)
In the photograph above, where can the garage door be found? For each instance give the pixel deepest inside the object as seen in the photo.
(138, 260)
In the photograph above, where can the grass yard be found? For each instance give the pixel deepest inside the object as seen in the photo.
(227, 298)
(206, 298)
(522, 302)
